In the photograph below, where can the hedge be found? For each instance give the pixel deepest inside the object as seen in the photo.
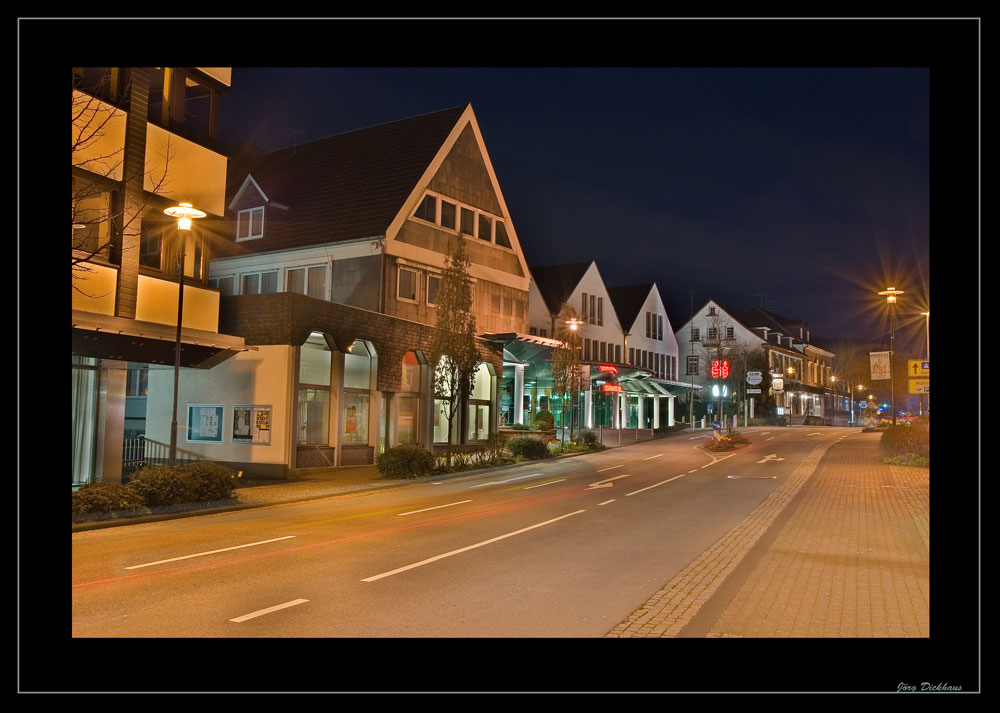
(405, 462)
(107, 497)
(183, 484)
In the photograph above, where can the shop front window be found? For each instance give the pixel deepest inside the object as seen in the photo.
(407, 410)
(355, 417)
(84, 418)
(315, 359)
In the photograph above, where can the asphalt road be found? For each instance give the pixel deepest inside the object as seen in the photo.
(567, 548)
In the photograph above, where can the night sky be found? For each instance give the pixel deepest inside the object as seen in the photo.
(805, 189)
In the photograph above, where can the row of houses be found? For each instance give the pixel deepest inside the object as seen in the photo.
(309, 293)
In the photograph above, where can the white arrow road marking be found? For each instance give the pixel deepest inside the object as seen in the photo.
(773, 456)
(278, 607)
(433, 508)
(211, 552)
(470, 547)
(607, 482)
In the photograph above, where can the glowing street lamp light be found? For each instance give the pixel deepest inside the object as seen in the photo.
(184, 213)
(890, 298)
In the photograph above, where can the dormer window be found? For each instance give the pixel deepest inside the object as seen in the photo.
(250, 223)
(711, 311)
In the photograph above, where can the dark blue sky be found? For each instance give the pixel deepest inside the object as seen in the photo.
(807, 185)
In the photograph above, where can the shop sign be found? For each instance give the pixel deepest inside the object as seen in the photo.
(611, 388)
(608, 369)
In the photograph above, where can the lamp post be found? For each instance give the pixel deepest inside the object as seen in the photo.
(927, 352)
(791, 400)
(890, 298)
(184, 213)
(573, 323)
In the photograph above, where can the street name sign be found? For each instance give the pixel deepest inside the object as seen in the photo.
(918, 367)
(920, 386)
(753, 391)
(880, 365)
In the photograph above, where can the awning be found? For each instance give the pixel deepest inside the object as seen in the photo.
(105, 337)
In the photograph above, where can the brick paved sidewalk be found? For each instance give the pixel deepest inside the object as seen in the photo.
(850, 559)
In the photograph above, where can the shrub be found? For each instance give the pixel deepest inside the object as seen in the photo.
(906, 439)
(544, 420)
(104, 497)
(519, 427)
(183, 484)
(405, 462)
(528, 447)
(589, 438)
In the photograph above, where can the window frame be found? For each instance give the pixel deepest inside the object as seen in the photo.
(259, 274)
(239, 221)
(416, 283)
(460, 209)
(427, 293)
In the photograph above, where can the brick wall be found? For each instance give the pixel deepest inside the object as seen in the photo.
(288, 318)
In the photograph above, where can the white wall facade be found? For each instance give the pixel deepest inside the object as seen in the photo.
(665, 361)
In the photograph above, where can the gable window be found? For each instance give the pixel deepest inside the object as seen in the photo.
(593, 309)
(713, 333)
(309, 281)
(485, 228)
(647, 324)
(433, 285)
(448, 211)
(692, 362)
(659, 332)
(583, 308)
(695, 335)
(600, 311)
(730, 332)
(501, 235)
(250, 223)
(406, 288)
(468, 222)
(711, 311)
(427, 210)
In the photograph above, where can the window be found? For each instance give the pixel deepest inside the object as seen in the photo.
(692, 365)
(508, 306)
(713, 334)
(448, 211)
(730, 332)
(427, 210)
(501, 235)
(647, 324)
(593, 309)
(478, 414)
(618, 353)
(659, 331)
(495, 302)
(433, 285)
(600, 311)
(250, 223)
(631, 355)
(406, 289)
(308, 281)
(485, 228)
(315, 359)
(695, 335)
(586, 349)
(711, 311)
(223, 284)
(583, 308)
(468, 221)
(604, 351)
(150, 240)
(259, 283)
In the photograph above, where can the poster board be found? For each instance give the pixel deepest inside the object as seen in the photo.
(252, 424)
(205, 423)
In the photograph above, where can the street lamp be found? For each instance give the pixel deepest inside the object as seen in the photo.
(890, 298)
(791, 397)
(184, 213)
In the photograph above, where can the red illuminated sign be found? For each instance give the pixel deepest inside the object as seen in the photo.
(720, 369)
(608, 368)
(611, 388)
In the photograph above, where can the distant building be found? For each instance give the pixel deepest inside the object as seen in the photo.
(790, 355)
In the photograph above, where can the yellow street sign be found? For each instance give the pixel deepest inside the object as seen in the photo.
(917, 367)
(920, 386)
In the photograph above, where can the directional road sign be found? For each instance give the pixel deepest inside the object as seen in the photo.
(920, 386)
(918, 367)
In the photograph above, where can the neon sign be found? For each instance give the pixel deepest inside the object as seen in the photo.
(611, 388)
(607, 368)
(720, 369)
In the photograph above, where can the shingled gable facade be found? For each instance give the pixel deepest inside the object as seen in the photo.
(808, 392)
(332, 264)
(642, 362)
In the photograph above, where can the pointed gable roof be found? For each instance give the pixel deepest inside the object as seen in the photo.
(628, 301)
(557, 282)
(344, 187)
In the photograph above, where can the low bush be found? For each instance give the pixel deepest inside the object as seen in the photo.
(528, 447)
(184, 484)
(589, 438)
(906, 439)
(543, 420)
(519, 427)
(105, 497)
(405, 462)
